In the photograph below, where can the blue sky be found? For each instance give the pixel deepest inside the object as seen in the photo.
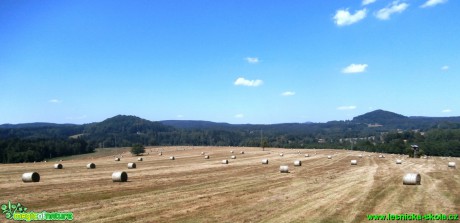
(258, 62)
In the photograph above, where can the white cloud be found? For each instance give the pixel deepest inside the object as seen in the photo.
(54, 101)
(252, 59)
(431, 3)
(239, 116)
(367, 2)
(445, 68)
(249, 83)
(288, 93)
(446, 111)
(343, 17)
(348, 107)
(394, 7)
(354, 68)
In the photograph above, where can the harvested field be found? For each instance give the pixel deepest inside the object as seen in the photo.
(193, 189)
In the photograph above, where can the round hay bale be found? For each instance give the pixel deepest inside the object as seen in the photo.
(398, 161)
(224, 161)
(160, 154)
(360, 155)
(90, 166)
(281, 154)
(306, 155)
(354, 162)
(57, 166)
(202, 153)
(412, 179)
(140, 159)
(329, 157)
(451, 164)
(231, 151)
(119, 176)
(381, 156)
(117, 159)
(242, 152)
(284, 169)
(30, 177)
(131, 165)
(233, 157)
(265, 161)
(172, 158)
(297, 163)
(206, 157)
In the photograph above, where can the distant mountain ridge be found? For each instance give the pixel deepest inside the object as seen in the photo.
(380, 117)
(375, 131)
(34, 125)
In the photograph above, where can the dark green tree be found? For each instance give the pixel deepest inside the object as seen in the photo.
(137, 149)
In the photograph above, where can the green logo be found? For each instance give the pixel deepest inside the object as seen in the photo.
(10, 209)
(18, 212)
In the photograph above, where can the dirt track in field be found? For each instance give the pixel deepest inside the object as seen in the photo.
(194, 189)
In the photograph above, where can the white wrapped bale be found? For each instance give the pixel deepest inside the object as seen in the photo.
(90, 166)
(58, 166)
(131, 165)
(451, 164)
(206, 157)
(306, 155)
(281, 154)
(329, 157)
(172, 158)
(398, 161)
(297, 163)
(119, 176)
(265, 161)
(30, 177)
(412, 179)
(140, 159)
(160, 153)
(354, 162)
(117, 159)
(224, 161)
(284, 169)
(242, 152)
(233, 157)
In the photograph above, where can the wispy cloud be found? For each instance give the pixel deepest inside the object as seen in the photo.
(394, 7)
(445, 68)
(343, 17)
(354, 68)
(55, 101)
(252, 60)
(288, 93)
(431, 3)
(446, 111)
(367, 2)
(250, 83)
(347, 107)
(239, 116)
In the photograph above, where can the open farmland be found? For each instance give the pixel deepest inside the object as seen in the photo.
(193, 189)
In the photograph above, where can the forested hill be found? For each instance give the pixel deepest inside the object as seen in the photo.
(381, 117)
(374, 131)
